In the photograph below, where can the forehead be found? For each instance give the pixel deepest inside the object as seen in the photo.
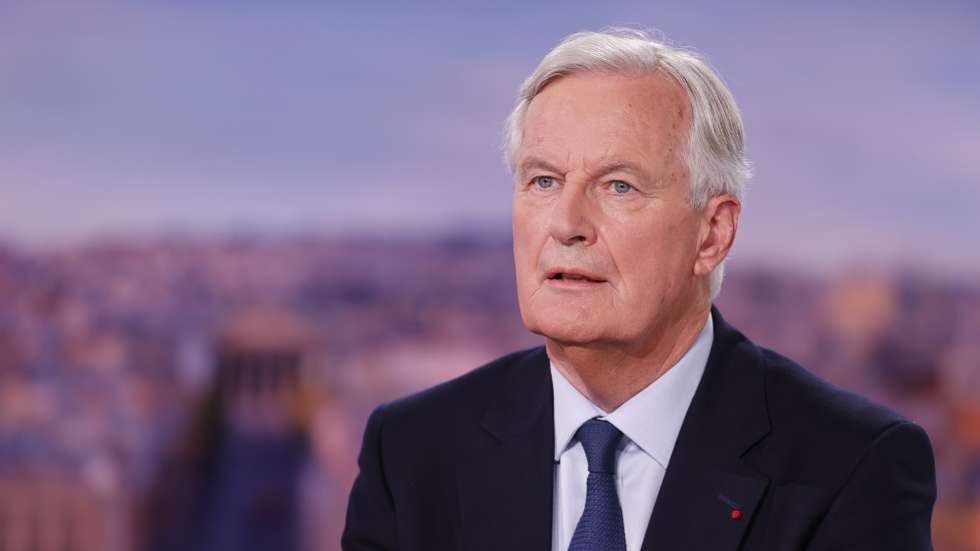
(593, 117)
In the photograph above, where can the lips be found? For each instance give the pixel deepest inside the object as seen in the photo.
(573, 275)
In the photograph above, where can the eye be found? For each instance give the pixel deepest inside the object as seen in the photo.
(621, 187)
(543, 182)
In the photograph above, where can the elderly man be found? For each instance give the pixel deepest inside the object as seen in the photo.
(646, 421)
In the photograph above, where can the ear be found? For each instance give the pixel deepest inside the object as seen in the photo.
(719, 223)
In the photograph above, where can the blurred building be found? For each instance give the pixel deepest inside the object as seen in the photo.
(55, 511)
(247, 453)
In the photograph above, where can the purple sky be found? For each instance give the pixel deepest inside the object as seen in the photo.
(863, 118)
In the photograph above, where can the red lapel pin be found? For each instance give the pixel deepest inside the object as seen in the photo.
(736, 512)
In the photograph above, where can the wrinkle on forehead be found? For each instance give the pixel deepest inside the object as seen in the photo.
(644, 119)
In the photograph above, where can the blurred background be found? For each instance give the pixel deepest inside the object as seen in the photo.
(228, 230)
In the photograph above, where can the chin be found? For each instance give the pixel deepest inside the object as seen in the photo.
(565, 329)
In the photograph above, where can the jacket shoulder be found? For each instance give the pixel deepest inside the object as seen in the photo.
(458, 400)
(818, 428)
(791, 387)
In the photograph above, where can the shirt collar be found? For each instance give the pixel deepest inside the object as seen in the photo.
(665, 401)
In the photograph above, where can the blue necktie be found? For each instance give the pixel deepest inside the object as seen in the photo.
(601, 525)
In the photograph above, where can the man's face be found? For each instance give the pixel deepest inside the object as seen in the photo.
(605, 240)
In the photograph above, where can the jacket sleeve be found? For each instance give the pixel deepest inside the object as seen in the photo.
(886, 503)
(370, 512)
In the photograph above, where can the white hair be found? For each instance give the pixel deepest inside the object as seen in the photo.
(715, 155)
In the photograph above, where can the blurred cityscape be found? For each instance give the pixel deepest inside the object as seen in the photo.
(185, 393)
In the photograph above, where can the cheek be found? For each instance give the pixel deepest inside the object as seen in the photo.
(524, 267)
(650, 257)
(527, 243)
(646, 274)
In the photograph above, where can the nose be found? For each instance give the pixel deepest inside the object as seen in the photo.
(572, 218)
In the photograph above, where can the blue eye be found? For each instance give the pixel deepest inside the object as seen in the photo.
(544, 182)
(621, 187)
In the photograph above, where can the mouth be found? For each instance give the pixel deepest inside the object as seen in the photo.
(567, 276)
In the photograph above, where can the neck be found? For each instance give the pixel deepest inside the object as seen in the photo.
(609, 374)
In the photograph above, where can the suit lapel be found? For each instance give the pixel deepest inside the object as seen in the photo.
(706, 481)
(506, 489)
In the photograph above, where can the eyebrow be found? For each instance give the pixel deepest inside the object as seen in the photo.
(616, 166)
(537, 162)
(620, 166)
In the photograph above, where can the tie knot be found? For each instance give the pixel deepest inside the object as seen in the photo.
(600, 440)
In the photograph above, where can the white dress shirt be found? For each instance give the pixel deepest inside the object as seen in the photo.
(650, 421)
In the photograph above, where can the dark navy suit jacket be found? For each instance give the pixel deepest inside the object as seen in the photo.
(469, 465)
